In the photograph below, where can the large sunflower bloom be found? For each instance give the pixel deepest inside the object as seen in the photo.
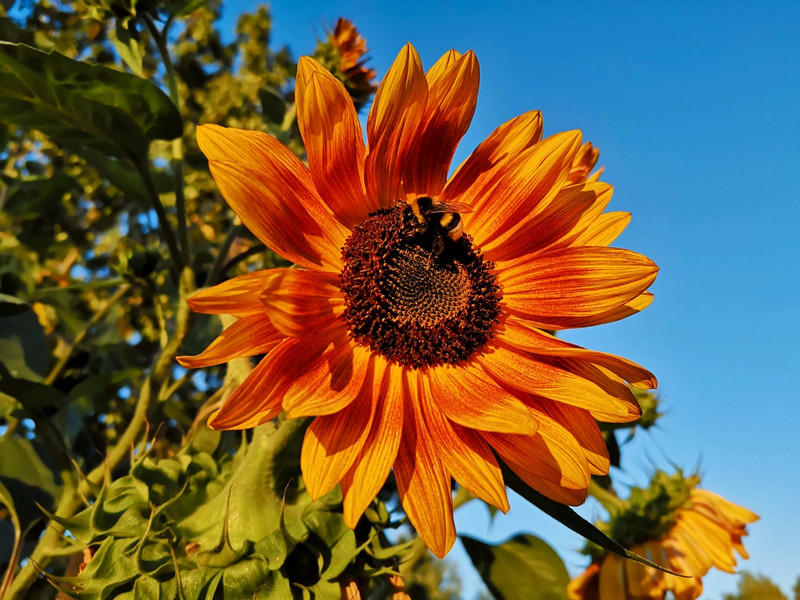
(415, 351)
(704, 534)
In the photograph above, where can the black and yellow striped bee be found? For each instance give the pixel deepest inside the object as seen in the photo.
(449, 224)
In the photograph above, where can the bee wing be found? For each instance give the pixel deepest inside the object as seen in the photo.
(452, 207)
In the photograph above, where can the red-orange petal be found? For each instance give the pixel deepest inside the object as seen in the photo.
(332, 138)
(238, 296)
(392, 125)
(329, 381)
(470, 397)
(561, 287)
(300, 302)
(451, 103)
(272, 192)
(370, 470)
(533, 179)
(515, 332)
(422, 482)
(523, 372)
(255, 401)
(464, 453)
(333, 442)
(441, 66)
(573, 209)
(480, 170)
(247, 336)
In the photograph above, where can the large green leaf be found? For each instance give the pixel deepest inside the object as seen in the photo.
(22, 344)
(521, 568)
(83, 105)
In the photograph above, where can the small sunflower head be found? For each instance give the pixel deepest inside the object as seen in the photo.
(343, 53)
(674, 524)
(650, 512)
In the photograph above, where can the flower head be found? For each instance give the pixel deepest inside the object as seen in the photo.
(415, 329)
(344, 54)
(674, 524)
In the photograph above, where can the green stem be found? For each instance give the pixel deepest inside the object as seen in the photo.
(607, 498)
(216, 269)
(160, 38)
(98, 316)
(169, 236)
(72, 498)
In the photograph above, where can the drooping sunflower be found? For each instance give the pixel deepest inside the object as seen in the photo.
(415, 346)
(677, 526)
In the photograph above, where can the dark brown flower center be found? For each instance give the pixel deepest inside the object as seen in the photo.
(418, 298)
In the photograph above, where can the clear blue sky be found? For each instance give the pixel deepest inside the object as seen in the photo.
(696, 110)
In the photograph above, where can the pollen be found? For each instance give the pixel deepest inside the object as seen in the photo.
(419, 299)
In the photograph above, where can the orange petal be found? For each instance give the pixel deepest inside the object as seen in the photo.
(480, 170)
(272, 192)
(365, 479)
(247, 336)
(441, 66)
(448, 113)
(470, 397)
(734, 512)
(392, 125)
(328, 382)
(464, 453)
(573, 209)
(550, 461)
(525, 373)
(238, 296)
(603, 230)
(712, 538)
(516, 333)
(300, 302)
(332, 138)
(612, 578)
(422, 482)
(533, 179)
(255, 400)
(582, 425)
(561, 287)
(332, 442)
(584, 586)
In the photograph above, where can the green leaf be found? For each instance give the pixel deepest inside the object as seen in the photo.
(521, 568)
(8, 501)
(26, 477)
(84, 105)
(566, 516)
(273, 105)
(22, 343)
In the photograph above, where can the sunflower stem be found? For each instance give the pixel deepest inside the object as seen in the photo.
(160, 38)
(98, 316)
(606, 497)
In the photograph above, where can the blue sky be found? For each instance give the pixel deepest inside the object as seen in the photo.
(695, 108)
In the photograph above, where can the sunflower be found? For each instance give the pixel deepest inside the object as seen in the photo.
(690, 531)
(416, 347)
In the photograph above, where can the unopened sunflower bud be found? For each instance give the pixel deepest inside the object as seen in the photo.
(343, 53)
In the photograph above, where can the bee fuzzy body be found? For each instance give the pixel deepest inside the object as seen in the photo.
(444, 217)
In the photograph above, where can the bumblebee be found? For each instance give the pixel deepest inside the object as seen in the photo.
(449, 224)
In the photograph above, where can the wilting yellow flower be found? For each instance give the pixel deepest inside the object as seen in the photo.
(416, 348)
(702, 533)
